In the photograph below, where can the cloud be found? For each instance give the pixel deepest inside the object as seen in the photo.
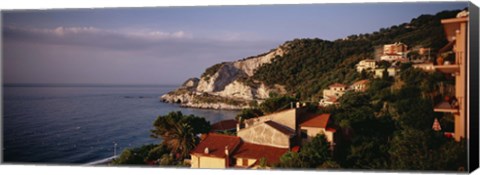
(165, 44)
(89, 54)
(93, 37)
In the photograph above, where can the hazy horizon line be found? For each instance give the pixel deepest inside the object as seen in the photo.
(83, 85)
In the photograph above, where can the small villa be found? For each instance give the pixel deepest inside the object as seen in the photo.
(331, 95)
(367, 65)
(317, 124)
(224, 151)
(336, 90)
(214, 151)
(359, 86)
(395, 51)
(395, 48)
(250, 155)
(391, 71)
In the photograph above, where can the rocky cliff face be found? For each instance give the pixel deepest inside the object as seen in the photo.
(227, 85)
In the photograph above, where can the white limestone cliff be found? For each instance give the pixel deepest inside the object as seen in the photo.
(217, 91)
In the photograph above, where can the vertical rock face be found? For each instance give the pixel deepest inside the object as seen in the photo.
(191, 83)
(248, 66)
(225, 86)
(217, 82)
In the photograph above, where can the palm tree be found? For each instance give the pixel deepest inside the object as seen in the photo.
(180, 139)
(178, 132)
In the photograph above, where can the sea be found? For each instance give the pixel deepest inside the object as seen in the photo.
(60, 124)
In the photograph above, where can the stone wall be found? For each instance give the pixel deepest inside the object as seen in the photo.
(286, 118)
(207, 162)
(264, 134)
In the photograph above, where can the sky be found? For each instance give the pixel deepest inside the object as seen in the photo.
(167, 45)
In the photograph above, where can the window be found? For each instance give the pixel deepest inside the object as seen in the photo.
(245, 162)
(304, 133)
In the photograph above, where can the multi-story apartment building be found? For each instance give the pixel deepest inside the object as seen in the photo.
(456, 31)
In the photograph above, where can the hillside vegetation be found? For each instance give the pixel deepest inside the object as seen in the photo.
(312, 64)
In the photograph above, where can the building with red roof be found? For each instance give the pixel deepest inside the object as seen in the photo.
(249, 155)
(331, 95)
(225, 125)
(359, 86)
(214, 151)
(338, 86)
(367, 65)
(392, 52)
(269, 133)
(263, 140)
(316, 124)
(223, 151)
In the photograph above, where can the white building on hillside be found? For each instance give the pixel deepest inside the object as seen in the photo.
(392, 71)
(331, 95)
(394, 52)
(367, 65)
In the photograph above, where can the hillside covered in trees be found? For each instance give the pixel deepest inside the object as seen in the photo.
(301, 68)
(312, 64)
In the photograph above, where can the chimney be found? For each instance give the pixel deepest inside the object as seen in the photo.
(227, 157)
(206, 151)
(238, 127)
(298, 104)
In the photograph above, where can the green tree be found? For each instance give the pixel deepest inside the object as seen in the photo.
(291, 160)
(181, 140)
(178, 131)
(410, 150)
(157, 152)
(316, 152)
(134, 156)
(249, 113)
(276, 103)
(329, 164)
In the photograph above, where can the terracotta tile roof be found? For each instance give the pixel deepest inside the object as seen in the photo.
(393, 54)
(369, 60)
(283, 129)
(360, 82)
(255, 151)
(216, 144)
(331, 98)
(224, 125)
(337, 85)
(317, 121)
(331, 129)
(295, 149)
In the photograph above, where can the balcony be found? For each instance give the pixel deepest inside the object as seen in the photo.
(452, 68)
(445, 107)
(452, 59)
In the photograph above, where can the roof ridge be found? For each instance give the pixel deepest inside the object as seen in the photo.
(222, 135)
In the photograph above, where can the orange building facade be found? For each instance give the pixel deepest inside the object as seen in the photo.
(456, 31)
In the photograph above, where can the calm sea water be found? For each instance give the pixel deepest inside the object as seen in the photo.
(81, 124)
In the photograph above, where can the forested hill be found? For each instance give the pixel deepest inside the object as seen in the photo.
(310, 65)
(301, 68)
